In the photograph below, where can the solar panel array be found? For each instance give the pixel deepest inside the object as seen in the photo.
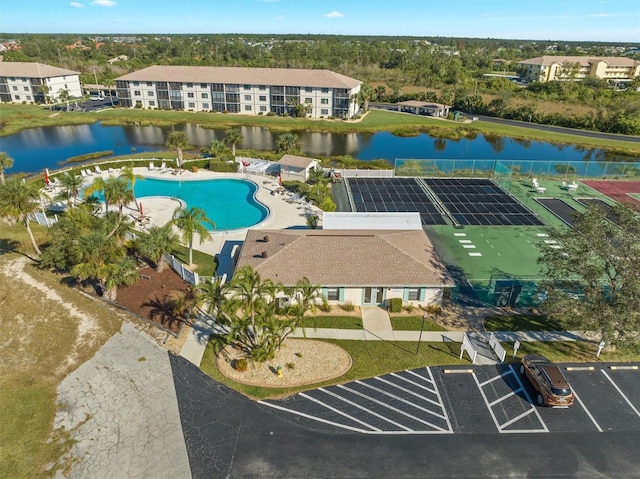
(473, 201)
(381, 195)
(470, 201)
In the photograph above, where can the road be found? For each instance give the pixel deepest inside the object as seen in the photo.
(533, 126)
(423, 423)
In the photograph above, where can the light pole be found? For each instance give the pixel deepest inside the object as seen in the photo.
(424, 318)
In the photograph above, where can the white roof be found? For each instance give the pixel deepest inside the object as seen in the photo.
(371, 221)
(32, 70)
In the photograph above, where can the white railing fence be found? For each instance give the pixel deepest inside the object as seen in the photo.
(467, 346)
(497, 347)
(360, 173)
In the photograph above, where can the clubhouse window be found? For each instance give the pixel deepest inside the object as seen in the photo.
(413, 294)
(333, 294)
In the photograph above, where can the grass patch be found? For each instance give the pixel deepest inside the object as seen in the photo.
(337, 322)
(413, 323)
(521, 322)
(569, 352)
(370, 358)
(206, 263)
(40, 336)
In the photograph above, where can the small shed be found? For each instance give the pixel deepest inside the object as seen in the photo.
(296, 168)
(424, 108)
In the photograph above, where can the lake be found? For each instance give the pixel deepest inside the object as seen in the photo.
(38, 148)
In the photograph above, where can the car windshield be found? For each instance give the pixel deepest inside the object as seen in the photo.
(561, 391)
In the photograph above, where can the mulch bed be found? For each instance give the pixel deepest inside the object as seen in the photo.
(617, 190)
(148, 298)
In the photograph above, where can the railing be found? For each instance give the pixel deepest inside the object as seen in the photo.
(497, 347)
(361, 173)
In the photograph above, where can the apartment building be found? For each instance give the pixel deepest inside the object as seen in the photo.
(577, 68)
(23, 81)
(248, 91)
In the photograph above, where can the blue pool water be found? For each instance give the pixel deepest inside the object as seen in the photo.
(229, 203)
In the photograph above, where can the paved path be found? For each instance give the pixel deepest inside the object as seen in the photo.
(123, 406)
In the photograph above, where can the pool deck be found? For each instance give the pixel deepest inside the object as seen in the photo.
(282, 214)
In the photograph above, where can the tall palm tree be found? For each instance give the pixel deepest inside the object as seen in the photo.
(156, 242)
(98, 185)
(19, 200)
(211, 294)
(71, 185)
(177, 140)
(127, 172)
(288, 143)
(233, 137)
(122, 273)
(192, 221)
(6, 162)
(119, 192)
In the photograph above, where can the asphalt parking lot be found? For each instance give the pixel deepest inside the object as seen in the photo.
(474, 400)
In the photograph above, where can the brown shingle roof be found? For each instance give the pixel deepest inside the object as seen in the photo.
(243, 76)
(32, 70)
(296, 161)
(345, 257)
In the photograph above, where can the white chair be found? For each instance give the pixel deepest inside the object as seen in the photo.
(152, 166)
(98, 170)
(163, 167)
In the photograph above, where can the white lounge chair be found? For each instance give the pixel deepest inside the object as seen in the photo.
(152, 166)
(98, 170)
(163, 168)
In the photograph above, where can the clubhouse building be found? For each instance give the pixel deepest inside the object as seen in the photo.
(248, 91)
(23, 82)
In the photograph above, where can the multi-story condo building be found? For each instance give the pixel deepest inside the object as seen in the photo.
(23, 82)
(565, 68)
(249, 91)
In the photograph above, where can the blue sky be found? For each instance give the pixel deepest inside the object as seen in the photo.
(595, 20)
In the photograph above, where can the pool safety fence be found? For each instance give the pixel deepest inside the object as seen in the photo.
(508, 169)
(41, 218)
(362, 173)
(497, 347)
(186, 274)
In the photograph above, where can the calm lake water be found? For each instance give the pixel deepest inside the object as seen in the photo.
(39, 148)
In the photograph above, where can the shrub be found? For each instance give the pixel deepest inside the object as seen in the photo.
(348, 306)
(395, 305)
(290, 365)
(325, 307)
(271, 113)
(241, 365)
(434, 309)
(408, 307)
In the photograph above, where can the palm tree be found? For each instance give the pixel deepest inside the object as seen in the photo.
(191, 221)
(119, 193)
(288, 143)
(211, 294)
(109, 83)
(218, 149)
(71, 185)
(156, 242)
(177, 140)
(19, 200)
(122, 273)
(365, 95)
(64, 96)
(127, 172)
(6, 162)
(233, 137)
(99, 184)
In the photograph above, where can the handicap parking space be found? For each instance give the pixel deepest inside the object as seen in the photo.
(476, 400)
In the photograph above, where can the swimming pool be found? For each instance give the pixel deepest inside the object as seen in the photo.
(228, 202)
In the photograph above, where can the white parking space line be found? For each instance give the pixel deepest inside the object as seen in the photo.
(398, 398)
(337, 411)
(517, 418)
(368, 411)
(506, 373)
(308, 416)
(444, 411)
(484, 397)
(410, 391)
(621, 393)
(575, 394)
(524, 390)
(506, 396)
(429, 380)
(391, 408)
(413, 382)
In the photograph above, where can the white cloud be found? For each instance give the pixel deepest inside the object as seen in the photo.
(76, 5)
(103, 3)
(333, 14)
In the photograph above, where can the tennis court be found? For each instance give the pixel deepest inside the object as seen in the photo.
(560, 208)
(621, 191)
(458, 201)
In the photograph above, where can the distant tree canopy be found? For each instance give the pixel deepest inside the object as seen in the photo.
(446, 70)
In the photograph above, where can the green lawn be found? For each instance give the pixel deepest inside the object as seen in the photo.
(569, 352)
(414, 323)
(206, 263)
(520, 322)
(370, 358)
(337, 322)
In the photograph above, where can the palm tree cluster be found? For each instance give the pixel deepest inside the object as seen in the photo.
(249, 311)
